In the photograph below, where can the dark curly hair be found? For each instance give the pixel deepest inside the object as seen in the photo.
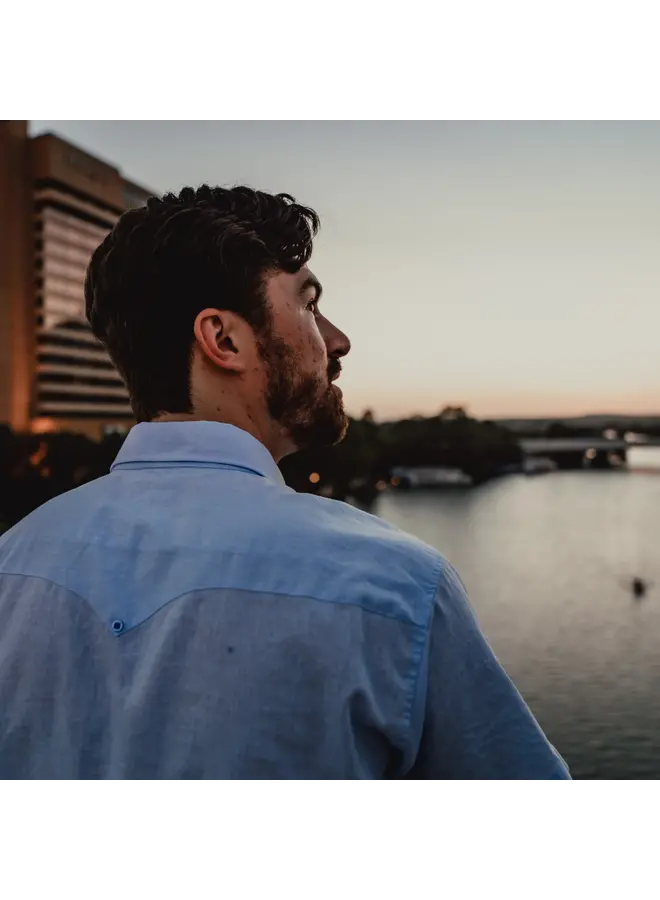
(165, 262)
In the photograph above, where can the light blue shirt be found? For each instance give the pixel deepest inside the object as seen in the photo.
(189, 616)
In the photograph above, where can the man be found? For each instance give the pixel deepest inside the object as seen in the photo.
(189, 616)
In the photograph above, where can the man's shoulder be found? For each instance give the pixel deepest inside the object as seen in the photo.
(363, 556)
(273, 541)
(332, 519)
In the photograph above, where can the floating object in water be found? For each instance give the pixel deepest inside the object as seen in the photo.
(638, 587)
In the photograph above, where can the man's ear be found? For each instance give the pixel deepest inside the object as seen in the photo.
(220, 337)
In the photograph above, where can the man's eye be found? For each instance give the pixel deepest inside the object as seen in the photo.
(313, 306)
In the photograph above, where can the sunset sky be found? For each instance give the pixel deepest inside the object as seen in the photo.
(513, 268)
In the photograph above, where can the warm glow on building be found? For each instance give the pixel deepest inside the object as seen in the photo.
(57, 203)
(314, 478)
(43, 426)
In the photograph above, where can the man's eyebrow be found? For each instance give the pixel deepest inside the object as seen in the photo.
(312, 282)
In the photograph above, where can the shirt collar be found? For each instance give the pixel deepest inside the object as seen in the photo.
(201, 443)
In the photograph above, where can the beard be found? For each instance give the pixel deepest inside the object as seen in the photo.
(308, 406)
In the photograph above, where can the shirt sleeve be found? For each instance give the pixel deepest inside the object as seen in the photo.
(475, 724)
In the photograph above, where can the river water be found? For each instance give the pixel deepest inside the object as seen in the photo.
(547, 562)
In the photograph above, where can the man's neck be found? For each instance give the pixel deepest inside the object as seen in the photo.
(270, 435)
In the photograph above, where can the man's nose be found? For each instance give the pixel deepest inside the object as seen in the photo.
(337, 342)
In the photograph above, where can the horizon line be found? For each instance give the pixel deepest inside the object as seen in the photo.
(506, 417)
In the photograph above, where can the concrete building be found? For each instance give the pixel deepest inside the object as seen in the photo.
(57, 203)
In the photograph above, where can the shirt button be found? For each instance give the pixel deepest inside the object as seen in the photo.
(117, 626)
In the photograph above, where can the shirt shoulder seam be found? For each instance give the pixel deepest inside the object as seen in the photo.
(419, 643)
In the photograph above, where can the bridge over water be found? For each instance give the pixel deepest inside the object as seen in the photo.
(552, 446)
(565, 453)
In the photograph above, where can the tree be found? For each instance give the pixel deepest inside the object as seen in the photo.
(559, 430)
(451, 413)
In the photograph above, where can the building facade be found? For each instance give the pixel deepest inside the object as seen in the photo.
(57, 203)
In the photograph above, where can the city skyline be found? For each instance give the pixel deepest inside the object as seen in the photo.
(507, 267)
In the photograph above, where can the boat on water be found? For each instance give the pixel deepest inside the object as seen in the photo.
(432, 477)
(538, 465)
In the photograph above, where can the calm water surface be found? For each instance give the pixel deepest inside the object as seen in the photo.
(546, 562)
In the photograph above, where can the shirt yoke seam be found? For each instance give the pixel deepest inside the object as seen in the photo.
(194, 590)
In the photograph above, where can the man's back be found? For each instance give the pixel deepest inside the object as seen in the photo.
(189, 616)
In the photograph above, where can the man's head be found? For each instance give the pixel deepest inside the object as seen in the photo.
(208, 310)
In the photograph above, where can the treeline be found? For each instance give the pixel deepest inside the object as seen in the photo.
(370, 451)
(35, 468)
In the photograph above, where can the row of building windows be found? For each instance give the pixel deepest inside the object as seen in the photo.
(71, 235)
(62, 288)
(50, 394)
(57, 218)
(65, 335)
(63, 196)
(101, 379)
(60, 250)
(89, 412)
(53, 267)
(45, 355)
